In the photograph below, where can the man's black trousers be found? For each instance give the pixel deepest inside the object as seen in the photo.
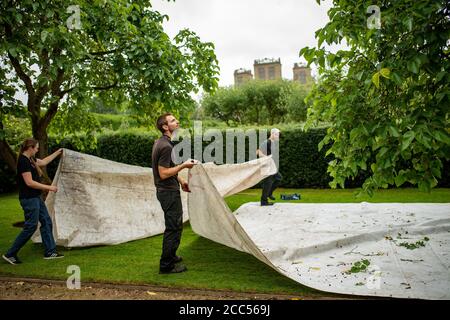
(173, 217)
(269, 184)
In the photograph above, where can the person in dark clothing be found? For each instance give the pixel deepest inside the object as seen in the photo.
(30, 189)
(167, 182)
(269, 184)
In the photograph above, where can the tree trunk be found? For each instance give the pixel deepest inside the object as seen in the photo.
(40, 134)
(8, 155)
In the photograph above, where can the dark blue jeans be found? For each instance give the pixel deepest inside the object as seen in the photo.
(173, 218)
(35, 211)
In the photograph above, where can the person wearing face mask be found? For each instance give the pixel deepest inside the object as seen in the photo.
(269, 184)
(167, 182)
(29, 174)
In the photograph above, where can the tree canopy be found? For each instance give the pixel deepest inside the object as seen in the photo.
(387, 96)
(62, 55)
(258, 102)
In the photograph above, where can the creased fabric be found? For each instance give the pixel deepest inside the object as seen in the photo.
(102, 202)
(318, 244)
(406, 245)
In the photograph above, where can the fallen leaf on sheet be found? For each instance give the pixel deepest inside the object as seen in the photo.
(407, 285)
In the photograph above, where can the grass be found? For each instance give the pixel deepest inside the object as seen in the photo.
(345, 195)
(115, 121)
(210, 265)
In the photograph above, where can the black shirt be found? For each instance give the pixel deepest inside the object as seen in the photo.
(162, 156)
(24, 165)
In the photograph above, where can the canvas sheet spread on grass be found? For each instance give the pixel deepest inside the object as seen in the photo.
(102, 202)
(384, 249)
(387, 250)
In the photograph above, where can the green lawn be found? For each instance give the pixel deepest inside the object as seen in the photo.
(210, 265)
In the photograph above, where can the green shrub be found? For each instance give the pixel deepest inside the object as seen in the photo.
(116, 121)
(301, 164)
(125, 147)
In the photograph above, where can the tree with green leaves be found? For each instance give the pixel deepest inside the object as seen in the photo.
(387, 96)
(256, 102)
(62, 55)
(294, 98)
(227, 104)
(267, 99)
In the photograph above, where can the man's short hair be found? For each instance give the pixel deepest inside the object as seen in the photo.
(274, 130)
(162, 120)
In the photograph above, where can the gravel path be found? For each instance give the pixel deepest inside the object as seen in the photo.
(40, 289)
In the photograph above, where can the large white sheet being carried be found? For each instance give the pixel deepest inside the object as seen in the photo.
(102, 202)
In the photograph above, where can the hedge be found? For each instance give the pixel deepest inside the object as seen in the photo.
(301, 164)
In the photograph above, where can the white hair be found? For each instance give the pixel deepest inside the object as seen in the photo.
(274, 130)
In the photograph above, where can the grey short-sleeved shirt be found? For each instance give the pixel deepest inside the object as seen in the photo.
(272, 149)
(162, 156)
(264, 147)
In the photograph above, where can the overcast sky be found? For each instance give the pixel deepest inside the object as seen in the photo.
(245, 30)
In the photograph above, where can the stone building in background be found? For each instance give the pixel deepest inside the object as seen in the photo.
(242, 76)
(302, 73)
(267, 69)
(270, 69)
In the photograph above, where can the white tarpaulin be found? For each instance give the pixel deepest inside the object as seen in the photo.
(405, 247)
(102, 202)
(318, 244)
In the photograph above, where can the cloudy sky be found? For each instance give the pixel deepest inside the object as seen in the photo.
(245, 30)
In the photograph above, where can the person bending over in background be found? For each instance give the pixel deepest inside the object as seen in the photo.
(269, 184)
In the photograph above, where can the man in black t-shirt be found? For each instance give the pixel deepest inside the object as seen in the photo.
(167, 182)
(269, 184)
